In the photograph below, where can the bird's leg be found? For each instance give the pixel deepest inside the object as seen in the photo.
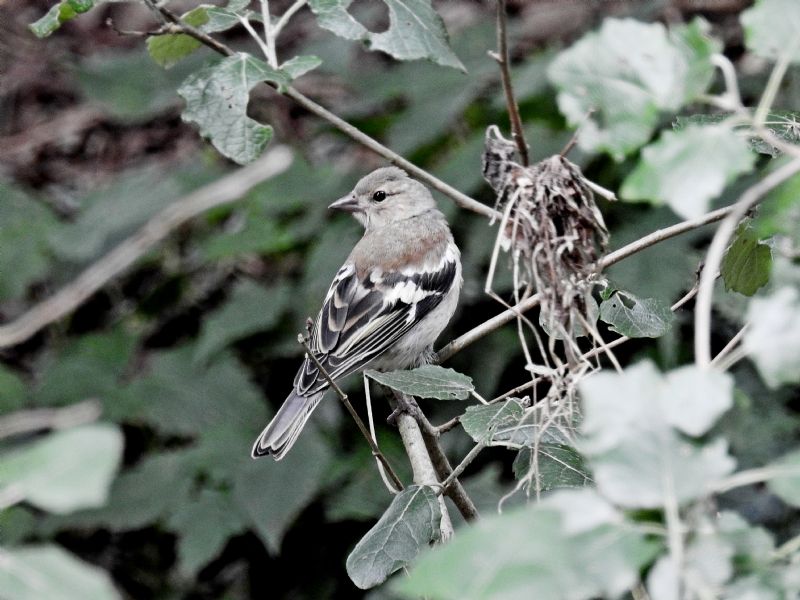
(403, 404)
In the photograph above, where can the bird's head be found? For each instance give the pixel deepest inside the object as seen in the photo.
(386, 196)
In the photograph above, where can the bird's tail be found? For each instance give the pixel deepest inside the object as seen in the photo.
(280, 435)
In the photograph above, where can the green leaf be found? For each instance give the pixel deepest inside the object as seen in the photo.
(770, 28)
(203, 525)
(629, 72)
(141, 495)
(636, 317)
(481, 421)
(300, 65)
(782, 123)
(216, 101)
(250, 309)
(780, 214)
(573, 547)
(65, 470)
(427, 381)
(637, 456)
(90, 366)
(12, 391)
(686, 169)
(410, 524)
(786, 480)
(24, 226)
(773, 338)
(415, 30)
(184, 397)
(59, 14)
(48, 571)
(747, 263)
(168, 49)
(557, 466)
(272, 494)
(114, 211)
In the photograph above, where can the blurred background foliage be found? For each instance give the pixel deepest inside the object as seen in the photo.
(190, 352)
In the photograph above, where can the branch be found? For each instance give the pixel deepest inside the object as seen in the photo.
(376, 452)
(505, 75)
(221, 192)
(354, 133)
(716, 251)
(424, 472)
(29, 421)
(610, 259)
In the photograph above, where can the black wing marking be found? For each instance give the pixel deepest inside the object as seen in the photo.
(361, 319)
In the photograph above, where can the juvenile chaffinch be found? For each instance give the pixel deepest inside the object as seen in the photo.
(386, 305)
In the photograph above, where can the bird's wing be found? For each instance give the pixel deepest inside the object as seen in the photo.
(362, 317)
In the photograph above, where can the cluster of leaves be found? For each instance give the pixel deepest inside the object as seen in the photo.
(649, 445)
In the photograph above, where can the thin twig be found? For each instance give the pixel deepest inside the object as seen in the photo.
(465, 462)
(730, 346)
(368, 397)
(354, 133)
(223, 191)
(750, 198)
(286, 16)
(376, 452)
(505, 75)
(455, 491)
(29, 421)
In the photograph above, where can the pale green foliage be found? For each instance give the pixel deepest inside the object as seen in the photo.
(427, 381)
(575, 546)
(636, 317)
(168, 49)
(686, 169)
(409, 524)
(216, 101)
(629, 72)
(47, 571)
(60, 13)
(773, 338)
(770, 28)
(65, 470)
(415, 30)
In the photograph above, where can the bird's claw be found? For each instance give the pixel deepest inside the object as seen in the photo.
(405, 404)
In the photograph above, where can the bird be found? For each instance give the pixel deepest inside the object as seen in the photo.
(387, 304)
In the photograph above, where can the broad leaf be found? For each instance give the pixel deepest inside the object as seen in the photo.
(427, 381)
(204, 524)
(747, 263)
(628, 72)
(688, 168)
(65, 470)
(48, 571)
(557, 466)
(222, 19)
(782, 123)
(59, 14)
(24, 226)
(770, 28)
(250, 309)
(637, 456)
(482, 421)
(773, 338)
(786, 481)
(415, 30)
(168, 49)
(636, 317)
(549, 551)
(272, 495)
(216, 101)
(780, 214)
(409, 525)
(300, 65)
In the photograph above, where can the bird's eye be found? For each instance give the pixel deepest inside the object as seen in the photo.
(379, 196)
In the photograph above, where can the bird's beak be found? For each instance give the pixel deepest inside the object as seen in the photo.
(347, 204)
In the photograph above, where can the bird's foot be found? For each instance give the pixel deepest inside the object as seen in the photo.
(405, 404)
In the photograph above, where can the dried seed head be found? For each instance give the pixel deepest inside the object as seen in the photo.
(553, 227)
